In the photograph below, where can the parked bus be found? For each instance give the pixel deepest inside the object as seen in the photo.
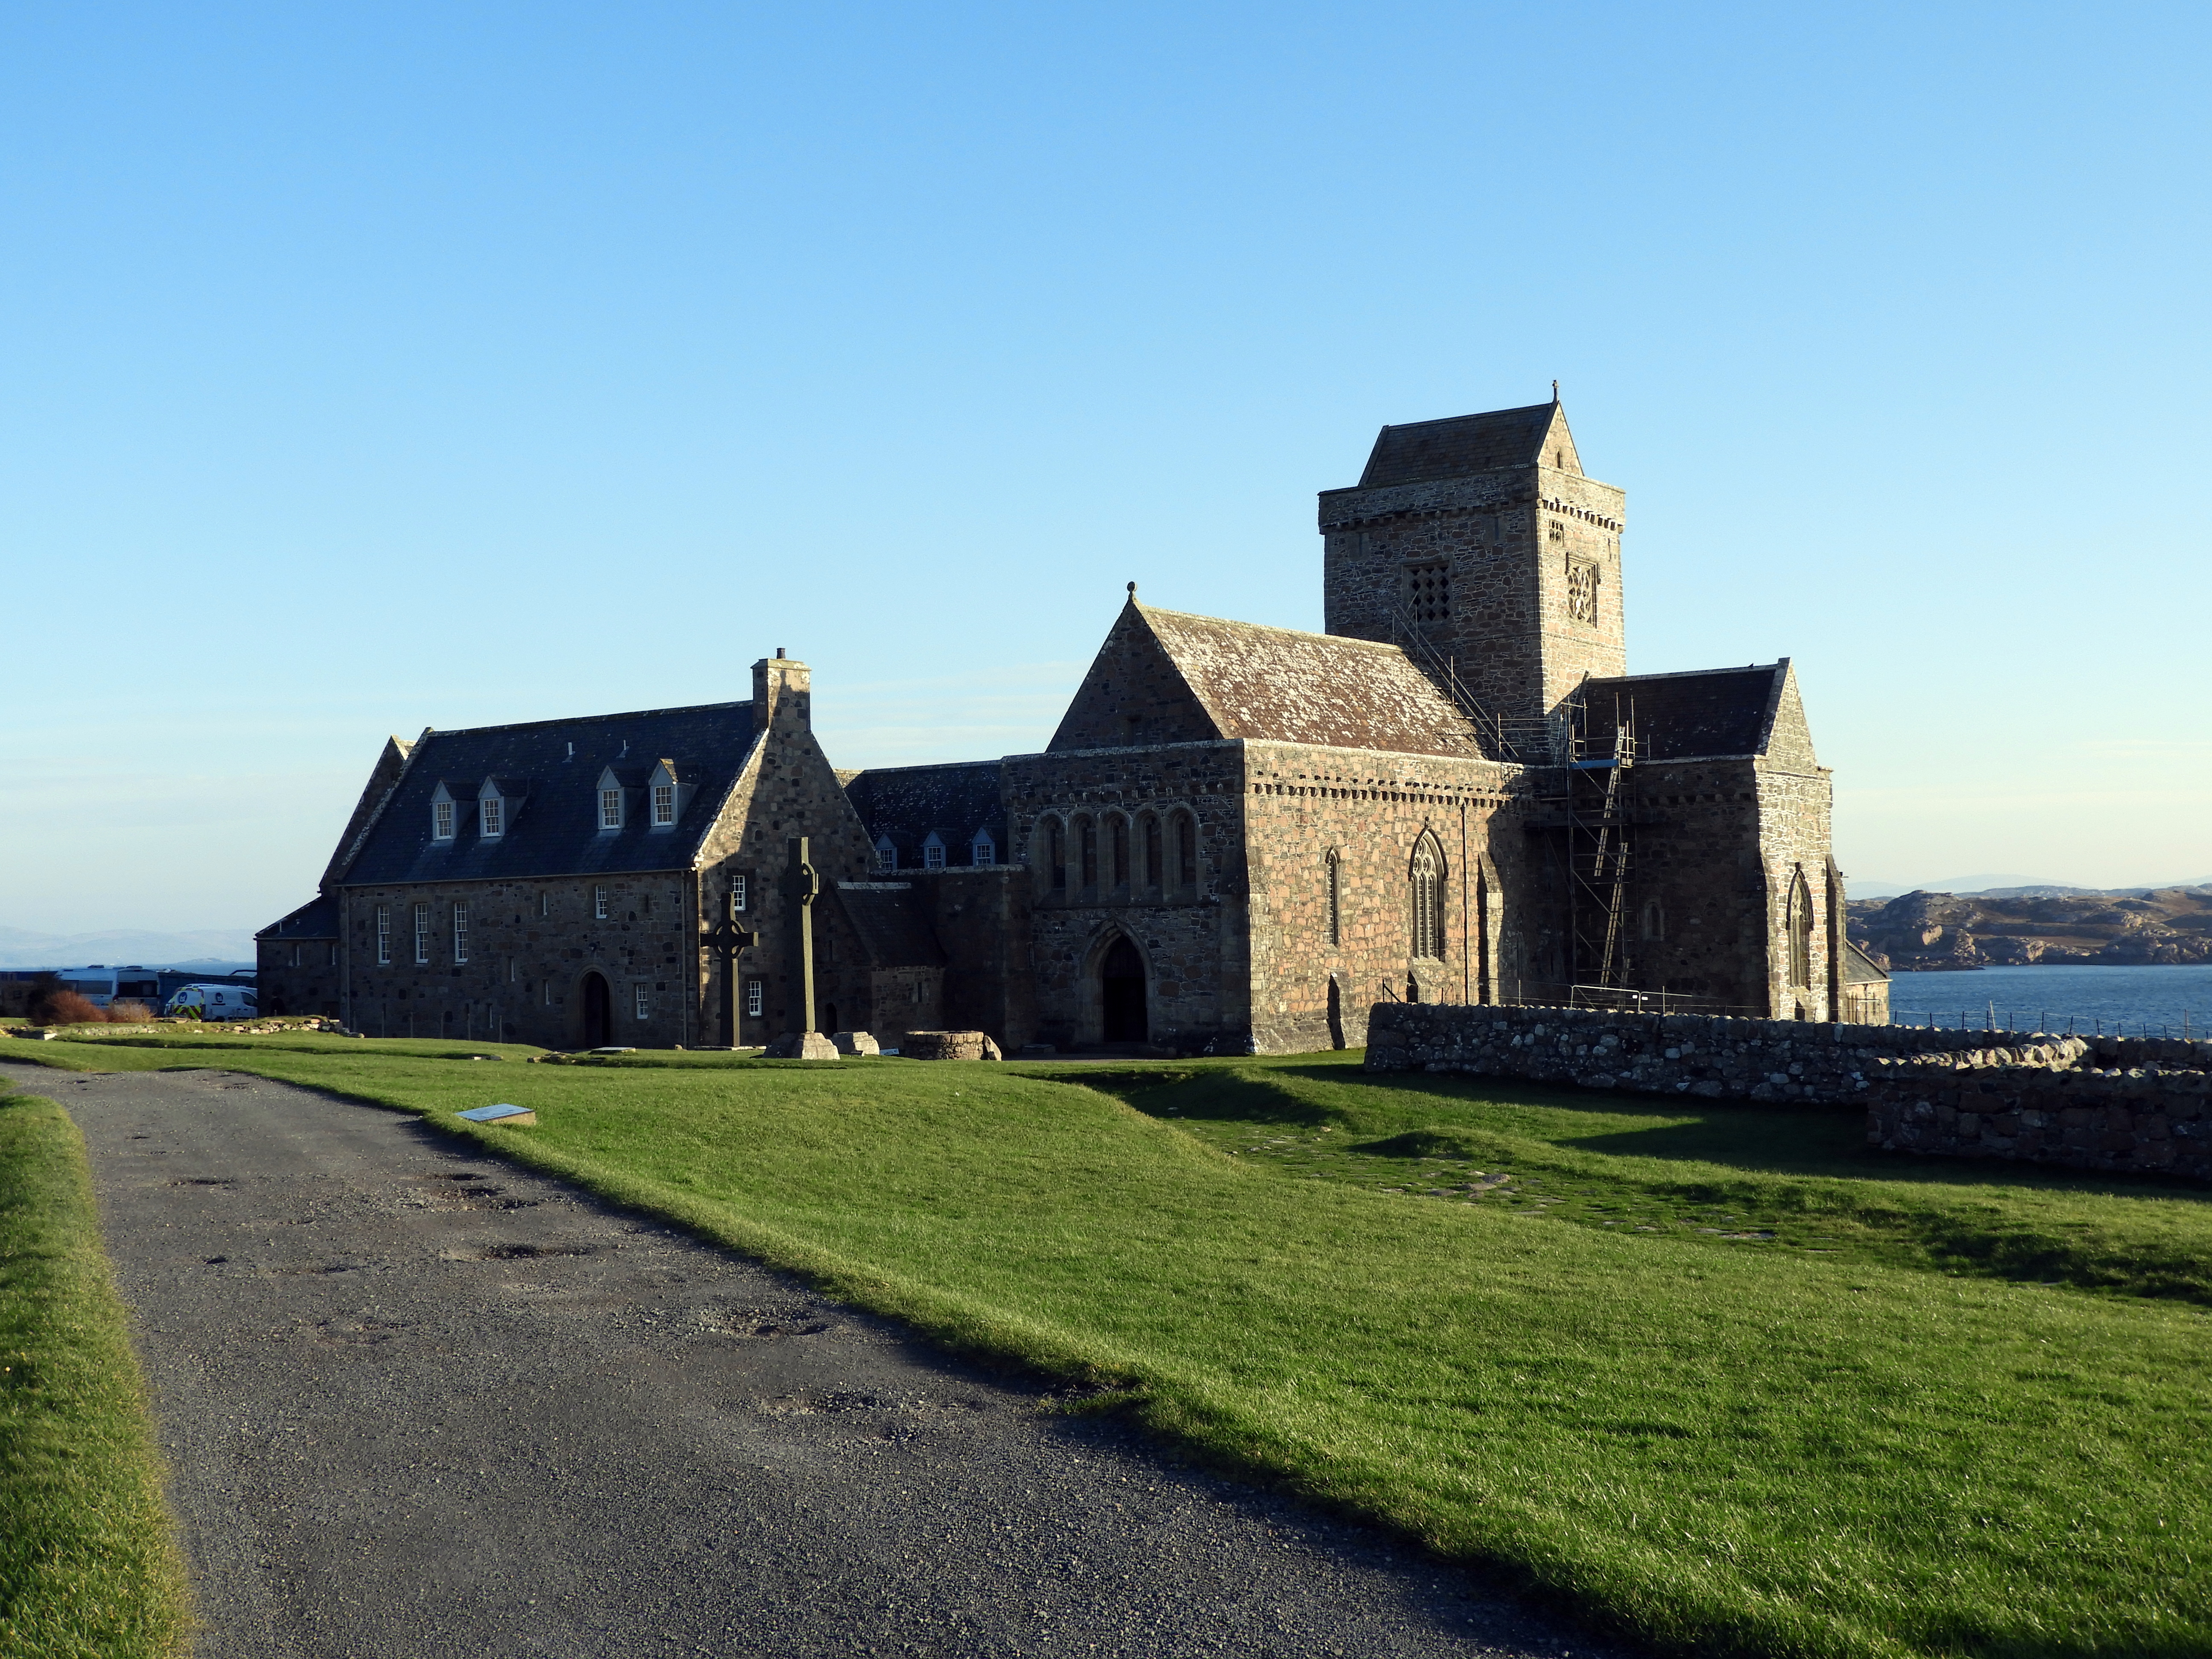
(101, 985)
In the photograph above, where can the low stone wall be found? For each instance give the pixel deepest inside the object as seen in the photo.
(949, 1045)
(1701, 1054)
(2155, 1119)
(2120, 1103)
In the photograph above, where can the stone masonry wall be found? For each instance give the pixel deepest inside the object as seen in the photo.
(2153, 1118)
(1369, 809)
(2115, 1103)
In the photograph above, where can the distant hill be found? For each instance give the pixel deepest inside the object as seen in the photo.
(1979, 930)
(20, 947)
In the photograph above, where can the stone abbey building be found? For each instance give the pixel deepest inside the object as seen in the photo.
(1239, 840)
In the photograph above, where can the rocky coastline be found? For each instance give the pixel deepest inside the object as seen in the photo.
(1924, 931)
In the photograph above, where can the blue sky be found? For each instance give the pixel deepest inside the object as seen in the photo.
(379, 368)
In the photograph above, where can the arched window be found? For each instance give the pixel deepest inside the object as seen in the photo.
(1333, 873)
(1186, 855)
(1086, 832)
(1118, 851)
(1800, 933)
(1055, 836)
(1428, 881)
(1655, 919)
(1149, 834)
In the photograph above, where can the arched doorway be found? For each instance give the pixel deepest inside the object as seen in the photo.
(598, 1011)
(1122, 976)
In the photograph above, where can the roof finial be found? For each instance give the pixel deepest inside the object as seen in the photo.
(1555, 391)
(1133, 592)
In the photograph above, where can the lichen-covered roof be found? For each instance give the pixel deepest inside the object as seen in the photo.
(904, 804)
(1719, 711)
(891, 924)
(1278, 685)
(554, 830)
(1465, 444)
(317, 919)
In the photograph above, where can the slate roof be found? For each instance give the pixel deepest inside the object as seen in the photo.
(892, 924)
(1455, 448)
(317, 919)
(1859, 968)
(1717, 711)
(554, 831)
(907, 802)
(1282, 685)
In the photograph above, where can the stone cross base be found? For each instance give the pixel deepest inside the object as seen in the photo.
(856, 1042)
(949, 1045)
(800, 1045)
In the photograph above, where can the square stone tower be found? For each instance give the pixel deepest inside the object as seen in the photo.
(1479, 545)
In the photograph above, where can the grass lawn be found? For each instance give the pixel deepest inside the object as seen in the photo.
(1714, 1374)
(88, 1564)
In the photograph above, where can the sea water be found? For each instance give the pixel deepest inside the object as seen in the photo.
(2135, 1001)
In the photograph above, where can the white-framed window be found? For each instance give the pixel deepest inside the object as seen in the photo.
(983, 849)
(384, 933)
(932, 852)
(460, 932)
(441, 820)
(644, 1000)
(738, 892)
(610, 805)
(598, 904)
(886, 856)
(756, 997)
(422, 933)
(491, 809)
(663, 803)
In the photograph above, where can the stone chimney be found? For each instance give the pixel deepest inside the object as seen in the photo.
(781, 692)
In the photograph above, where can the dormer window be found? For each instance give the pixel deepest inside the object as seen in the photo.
(442, 815)
(932, 852)
(983, 849)
(613, 800)
(664, 796)
(498, 800)
(610, 813)
(886, 856)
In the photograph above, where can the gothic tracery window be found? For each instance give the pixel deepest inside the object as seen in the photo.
(1428, 895)
(1581, 593)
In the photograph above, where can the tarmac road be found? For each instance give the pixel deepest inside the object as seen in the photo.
(419, 1403)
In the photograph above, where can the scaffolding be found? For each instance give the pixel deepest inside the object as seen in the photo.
(1598, 851)
(1532, 740)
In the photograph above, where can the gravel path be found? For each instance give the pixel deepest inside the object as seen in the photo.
(419, 1403)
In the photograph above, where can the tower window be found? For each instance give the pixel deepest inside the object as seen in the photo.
(1581, 594)
(1428, 592)
(1333, 873)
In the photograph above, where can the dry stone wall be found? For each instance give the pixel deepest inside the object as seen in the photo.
(2132, 1104)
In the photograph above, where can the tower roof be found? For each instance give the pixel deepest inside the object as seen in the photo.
(1455, 448)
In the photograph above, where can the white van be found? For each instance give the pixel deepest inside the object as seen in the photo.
(214, 1002)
